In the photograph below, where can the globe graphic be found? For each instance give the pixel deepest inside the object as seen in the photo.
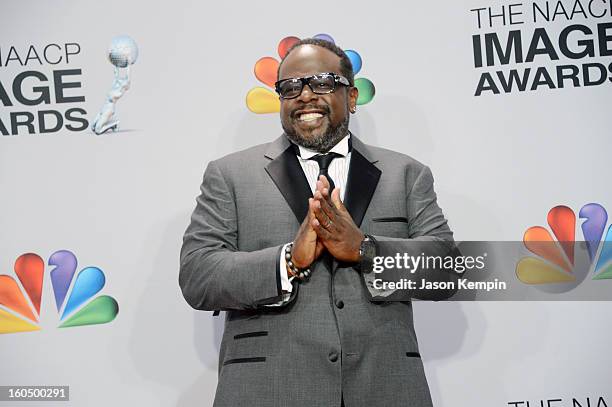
(123, 51)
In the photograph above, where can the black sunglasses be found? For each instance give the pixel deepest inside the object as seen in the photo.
(321, 84)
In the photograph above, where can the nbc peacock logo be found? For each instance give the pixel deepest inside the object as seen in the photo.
(562, 259)
(263, 100)
(20, 302)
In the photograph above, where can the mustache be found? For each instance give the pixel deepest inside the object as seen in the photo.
(324, 108)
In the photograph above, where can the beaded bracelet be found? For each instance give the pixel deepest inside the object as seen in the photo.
(301, 274)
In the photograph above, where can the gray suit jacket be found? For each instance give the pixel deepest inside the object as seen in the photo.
(331, 339)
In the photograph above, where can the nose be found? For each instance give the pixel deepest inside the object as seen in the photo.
(307, 94)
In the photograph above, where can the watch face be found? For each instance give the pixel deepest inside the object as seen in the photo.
(367, 252)
(362, 246)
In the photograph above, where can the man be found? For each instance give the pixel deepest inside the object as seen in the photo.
(288, 256)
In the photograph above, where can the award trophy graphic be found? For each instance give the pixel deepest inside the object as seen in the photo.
(122, 53)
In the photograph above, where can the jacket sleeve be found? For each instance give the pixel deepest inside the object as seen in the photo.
(214, 274)
(429, 235)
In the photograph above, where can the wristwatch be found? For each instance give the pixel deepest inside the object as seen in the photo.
(367, 252)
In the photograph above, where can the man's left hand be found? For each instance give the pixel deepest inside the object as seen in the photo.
(334, 225)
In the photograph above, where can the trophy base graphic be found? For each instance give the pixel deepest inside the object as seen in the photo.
(109, 127)
(101, 124)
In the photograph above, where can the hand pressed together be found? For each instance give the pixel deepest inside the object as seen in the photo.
(328, 225)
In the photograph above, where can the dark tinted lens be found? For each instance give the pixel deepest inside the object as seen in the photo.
(322, 83)
(290, 88)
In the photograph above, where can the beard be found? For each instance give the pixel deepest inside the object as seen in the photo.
(323, 142)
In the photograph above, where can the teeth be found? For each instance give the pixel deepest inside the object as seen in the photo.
(309, 116)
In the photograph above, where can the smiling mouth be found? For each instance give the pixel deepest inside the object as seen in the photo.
(308, 117)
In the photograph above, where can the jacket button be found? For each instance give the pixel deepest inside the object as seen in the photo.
(340, 304)
(333, 356)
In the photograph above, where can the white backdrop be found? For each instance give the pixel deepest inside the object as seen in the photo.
(121, 201)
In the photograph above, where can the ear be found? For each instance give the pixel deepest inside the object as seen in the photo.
(353, 94)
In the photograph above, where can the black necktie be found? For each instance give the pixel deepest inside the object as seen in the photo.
(324, 160)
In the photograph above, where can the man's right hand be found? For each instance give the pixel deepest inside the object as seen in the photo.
(306, 246)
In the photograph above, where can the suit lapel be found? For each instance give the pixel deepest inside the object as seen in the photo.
(288, 176)
(362, 180)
